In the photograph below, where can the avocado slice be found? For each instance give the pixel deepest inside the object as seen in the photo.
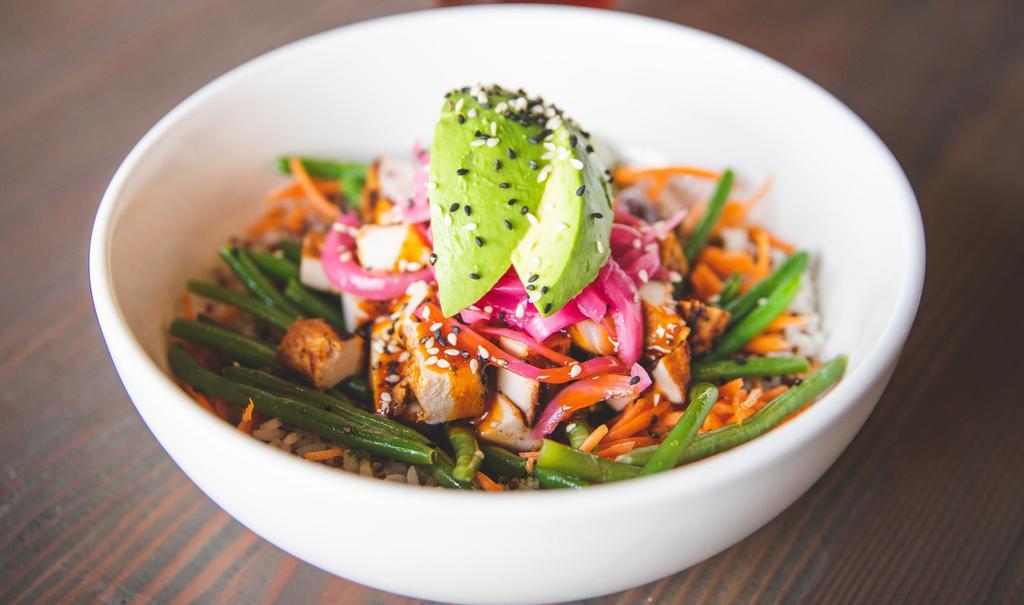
(515, 182)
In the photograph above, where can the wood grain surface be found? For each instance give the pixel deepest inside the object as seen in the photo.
(927, 504)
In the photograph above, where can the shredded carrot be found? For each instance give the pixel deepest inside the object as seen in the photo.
(316, 198)
(294, 190)
(245, 425)
(773, 393)
(229, 315)
(223, 409)
(487, 483)
(616, 450)
(633, 408)
(706, 282)
(668, 421)
(693, 216)
(186, 303)
(730, 388)
(726, 262)
(638, 423)
(763, 248)
(782, 244)
(295, 220)
(270, 221)
(327, 454)
(734, 214)
(786, 320)
(594, 438)
(746, 408)
(199, 397)
(531, 459)
(625, 176)
(638, 441)
(711, 423)
(767, 343)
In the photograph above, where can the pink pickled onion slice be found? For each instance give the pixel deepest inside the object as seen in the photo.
(531, 344)
(624, 305)
(585, 393)
(591, 304)
(348, 276)
(419, 211)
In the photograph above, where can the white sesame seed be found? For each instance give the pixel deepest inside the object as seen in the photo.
(501, 107)
(378, 346)
(482, 352)
(600, 248)
(430, 361)
(448, 220)
(533, 296)
(575, 370)
(435, 326)
(575, 163)
(554, 123)
(472, 112)
(548, 155)
(494, 129)
(492, 142)
(474, 365)
(542, 175)
(549, 146)
(443, 364)
(501, 362)
(431, 185)
(414, 266)
(563, 227)
(762, 301)
(404, 357)
(345, 256)
(531, 218)
(429, 342)
(488, 309)
(642, 274)
(402, 264)
(433, 350)
(636, 297)
(451, 352)
(521, 309)
(469, 227)
(393, 378)
(459, 103)
(453, 339)
(477, 143)
(563, 152)
(637, 243)
(675, 277)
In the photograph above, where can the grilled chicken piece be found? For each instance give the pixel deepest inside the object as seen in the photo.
(391, 248)
(504, 425)
(388, 190)
(593, 337)
(670, 252)
(707, 322)
(664, 328)
(447, 383)
(312, 348)
(389, 368)
(521, 391)
(311, 270)
(671, 374)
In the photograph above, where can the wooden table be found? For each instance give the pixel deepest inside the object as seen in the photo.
(926, 505)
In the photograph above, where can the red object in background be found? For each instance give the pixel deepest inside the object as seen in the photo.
(588, 3)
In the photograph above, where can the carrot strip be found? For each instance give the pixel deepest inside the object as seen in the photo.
(633, 408)
(316, 198)
(711, 423)
(782, 244)
(616, 450)
(594, 438)
(638, 441)
(767, 343)
(640, 422)
(773, 393)
(625, 176)
(785, 321)
(763, 247)
(730, 388)
(295, 220)
(734, 214)
(487, 483)
(270, 221)
(706, 282)
(187, 310)
(199, 397)
(725, 262)
(327, 454)
(294, 190)
(245, 425)
(669, 420)
(531, 459)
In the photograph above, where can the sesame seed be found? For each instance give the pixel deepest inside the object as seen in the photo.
(492, 142)
(600, 248)
(452, 352)
(501, 362)
(532, 140)
(482, 352)
(534, 165)
(572, 140)
(634, 380)
(474, 276)
(461, 171)
(575, 370)
(524, 210)
(504, 185)
(479, 241)
(433, 259)
(425, 313)
(511, 154)
(563, 152)
(494, 129)
(472, 112)
(675, 277)
(534, 297)
(474, 365)
(575, 163)
(433, 350)
(511, 201)
(596, 215)
(454, 207)
(477, 143)
(531, 287)
(467, 209)
(452, 339)
(642, 274)
(533, 219)
(497, 164)
(581, 190)
(430, 361)
(637, 243)
(469, 227)
(590, 149)
(435, 326)
(547, 308)
(563, 227)
(461, 118)
(533, 278)
(443, 364)
(385, 397)
(404, 357)
(392, 379)
(543, 290)
(456, 329)
(459, 103)
(508, 224)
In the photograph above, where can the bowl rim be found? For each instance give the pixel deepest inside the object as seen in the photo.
(127, 352)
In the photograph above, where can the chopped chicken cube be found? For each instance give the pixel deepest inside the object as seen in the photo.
(312, 348)
(596, 338)
(670, 252)
(391, 248)
(664, 328)
(707, 323)
(388, 190)
(523, 392)
(311, 270)
(389, 364)
(504, 425)
(671, 374)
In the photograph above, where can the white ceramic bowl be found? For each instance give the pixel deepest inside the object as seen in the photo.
(357, 91)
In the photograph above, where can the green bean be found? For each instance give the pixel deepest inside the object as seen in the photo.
(777, 410)
(275, 266)
(701, 232)
(577, 430)
(247, 271)
(234, 345)
(564, 459)
(357, 387)
(500, 462)
(550, 479)
(313, 306)
(702, 397)
(730, 289)
(467, 452)
(747, 302)
(756, 321)
(297, 414)
(244, 302)
(292, 250)
(751, 367)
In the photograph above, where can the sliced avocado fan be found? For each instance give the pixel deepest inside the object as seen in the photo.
(515, 182)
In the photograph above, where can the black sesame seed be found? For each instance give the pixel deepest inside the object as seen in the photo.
(474, 276)
(547, 308)
(508, 224)
(454, 207)
(545, 132)
(437, 334)
(533, 278)
(479, 134)
(511, 154)
(534, 165)
(524, 210)
(798, 382)
(461, 171)
(461, 118)
(424, 340)
(532, 140)
(590, 149)
(504, 185)
(432, 258)
(543, 289)
(467, 209)
(531, 287)
(479, 241)
(485, 105)
(572, 140)
(511, 201)
(497, 164)
(596, 215)
(464, 354)
(581, 190)
(456, 329)
(634, 380)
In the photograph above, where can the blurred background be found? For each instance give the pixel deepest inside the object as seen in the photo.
(927, 504)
